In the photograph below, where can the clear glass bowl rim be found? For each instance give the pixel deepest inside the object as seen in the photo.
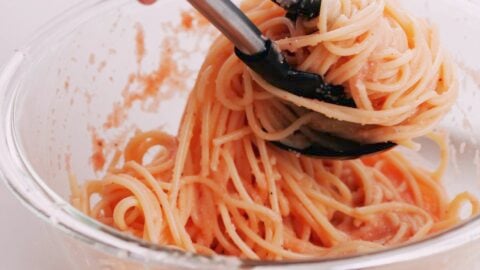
(30, 189)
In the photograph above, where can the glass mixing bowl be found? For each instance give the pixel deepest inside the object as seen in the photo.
(60, 88)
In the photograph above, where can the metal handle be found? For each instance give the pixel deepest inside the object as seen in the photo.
(231, 21)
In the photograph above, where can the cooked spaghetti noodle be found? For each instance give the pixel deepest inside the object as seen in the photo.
(219, 187)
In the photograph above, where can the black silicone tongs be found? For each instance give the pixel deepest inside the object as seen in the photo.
(260, 54)
(300, 8)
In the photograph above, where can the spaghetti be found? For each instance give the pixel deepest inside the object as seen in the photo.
(219, 187)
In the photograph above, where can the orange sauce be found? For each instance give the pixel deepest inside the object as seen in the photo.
(97, 158)
(146, 88)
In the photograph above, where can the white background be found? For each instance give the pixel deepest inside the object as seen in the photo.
(24, 245)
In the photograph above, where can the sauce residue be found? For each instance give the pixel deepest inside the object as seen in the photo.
(97, 158)
(140, 43)
(101, 66)
(187, 20)
(116, 117)
(192, 19)
(68, 162)
(66, 84)
(151, 82)
(91, 59)
(148, 88)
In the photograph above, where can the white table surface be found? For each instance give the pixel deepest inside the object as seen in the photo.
(23, 243)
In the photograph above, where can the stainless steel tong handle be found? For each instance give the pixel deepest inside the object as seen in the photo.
(233, 23)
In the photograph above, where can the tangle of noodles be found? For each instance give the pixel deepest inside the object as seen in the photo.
(220, 187)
